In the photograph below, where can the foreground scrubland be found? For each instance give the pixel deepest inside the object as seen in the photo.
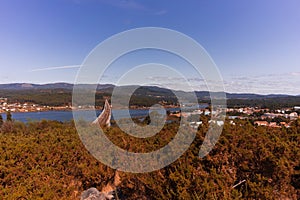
(46, 160)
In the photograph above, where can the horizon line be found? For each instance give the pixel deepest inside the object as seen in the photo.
(62, 82)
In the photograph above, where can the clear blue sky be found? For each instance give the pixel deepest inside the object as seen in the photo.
(255, 44)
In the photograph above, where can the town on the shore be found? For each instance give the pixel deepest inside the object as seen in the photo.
(5, 106)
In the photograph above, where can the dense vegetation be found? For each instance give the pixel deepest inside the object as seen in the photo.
(271, 102)
(145, 96)
(49, 97)
(46, 160)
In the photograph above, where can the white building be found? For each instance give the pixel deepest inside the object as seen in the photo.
(293, 115)
(297, 107)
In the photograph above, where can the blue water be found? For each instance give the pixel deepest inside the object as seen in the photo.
(68, 115)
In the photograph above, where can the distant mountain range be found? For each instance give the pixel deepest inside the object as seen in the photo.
(154, 90)
(60, 94)
(66, 86)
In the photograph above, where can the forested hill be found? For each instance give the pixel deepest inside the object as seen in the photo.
(56, 94)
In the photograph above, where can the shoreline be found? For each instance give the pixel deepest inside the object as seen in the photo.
(59, 108)
(81, 109)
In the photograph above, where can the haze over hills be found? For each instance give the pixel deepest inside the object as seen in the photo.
(60, 94)
(67, 86)
(109, 87)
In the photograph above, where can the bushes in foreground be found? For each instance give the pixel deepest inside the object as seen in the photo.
(46, 160)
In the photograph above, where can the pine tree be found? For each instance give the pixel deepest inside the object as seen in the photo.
(8, 116)
(1, 120)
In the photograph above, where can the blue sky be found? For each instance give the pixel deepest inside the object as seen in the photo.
(255, 44)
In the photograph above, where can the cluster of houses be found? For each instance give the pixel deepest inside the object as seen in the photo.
(17, 107)
(247, 110)
(206, 112)
(291, 117)
(5, 106)
(272, 124)
(266, 118)
(195, 122)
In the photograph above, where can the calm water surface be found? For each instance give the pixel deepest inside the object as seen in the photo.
(68, 115)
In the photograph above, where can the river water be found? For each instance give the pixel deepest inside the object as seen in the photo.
(68, 115)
